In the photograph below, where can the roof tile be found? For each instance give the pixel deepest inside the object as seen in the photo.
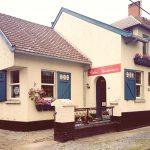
(132, 21)
(34, 38)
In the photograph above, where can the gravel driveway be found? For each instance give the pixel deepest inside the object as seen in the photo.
(138, 139)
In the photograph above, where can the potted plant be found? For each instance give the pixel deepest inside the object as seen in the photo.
(142, 60)
(41, 103)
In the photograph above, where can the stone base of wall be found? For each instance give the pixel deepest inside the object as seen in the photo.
(96, 129)
(132, 120)
(64, 131)
(26, 126)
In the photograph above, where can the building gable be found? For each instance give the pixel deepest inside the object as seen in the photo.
(92, 21)
(6, 52)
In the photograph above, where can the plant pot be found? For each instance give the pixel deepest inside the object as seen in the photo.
(142, 62)
(39, 107)
(45, 107)
(51, 108)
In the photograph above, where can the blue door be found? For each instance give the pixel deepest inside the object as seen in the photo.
(64, 85)
(2, 85)
(130, 85)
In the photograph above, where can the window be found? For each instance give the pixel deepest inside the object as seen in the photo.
(145, 46)
(149, 79)
(47, 82)
(15, 87)
(139, 84)
(134, 87)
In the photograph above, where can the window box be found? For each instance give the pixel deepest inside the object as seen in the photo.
(142, 60)
(44, 108)
(38, 107)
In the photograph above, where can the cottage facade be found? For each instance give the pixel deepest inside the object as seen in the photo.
(78, 58)
(35, 56)
(115, 79)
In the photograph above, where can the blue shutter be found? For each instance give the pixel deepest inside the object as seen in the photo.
(2, 85)
(130, 85)
(64, 85)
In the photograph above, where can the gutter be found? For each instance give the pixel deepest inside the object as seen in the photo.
(141, 39)
(135, 38)
(52, 57)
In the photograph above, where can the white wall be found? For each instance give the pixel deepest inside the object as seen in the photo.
(113, 91)
(6, 56)
(128, 53)
(102, 46)
(34, 66)
(15, 109)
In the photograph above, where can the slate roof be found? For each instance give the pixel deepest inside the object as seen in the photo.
(132, 21)
(33, 38)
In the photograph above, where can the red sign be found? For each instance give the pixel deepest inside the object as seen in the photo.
(104, 70)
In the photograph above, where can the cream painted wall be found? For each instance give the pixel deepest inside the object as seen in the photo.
(103, 47)
(15, 112)
(113, 91)
(15, 109)
(128, 53)
(34, 66)
(6, 56)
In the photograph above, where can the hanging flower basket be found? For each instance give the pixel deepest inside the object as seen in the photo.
(41, 103)
(142, 60)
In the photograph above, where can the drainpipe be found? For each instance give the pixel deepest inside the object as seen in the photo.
(84, 88)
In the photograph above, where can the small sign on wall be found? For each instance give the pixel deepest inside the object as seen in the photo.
(104, 70)
(103, 103)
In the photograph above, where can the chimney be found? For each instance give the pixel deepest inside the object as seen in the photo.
(134, 9)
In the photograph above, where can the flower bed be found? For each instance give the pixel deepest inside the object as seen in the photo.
(142, 60)
(41, 103)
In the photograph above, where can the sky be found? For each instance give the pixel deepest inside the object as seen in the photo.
(45, 11)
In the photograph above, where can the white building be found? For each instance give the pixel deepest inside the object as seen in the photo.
(115, 78)
(35, 56)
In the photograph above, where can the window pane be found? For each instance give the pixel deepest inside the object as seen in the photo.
(145, 46)
(138, 77)
(48, 89)
(15, 91)
(149, 79)
(138, 94)
(47, 77)
(15, 76)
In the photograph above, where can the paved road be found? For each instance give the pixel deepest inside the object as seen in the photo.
(138, 139)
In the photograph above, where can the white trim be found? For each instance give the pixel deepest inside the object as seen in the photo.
(141, 85)
(13, 101)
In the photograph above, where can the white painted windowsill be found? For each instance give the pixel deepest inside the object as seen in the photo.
(13, 101)
(114, 103)
(139, 101)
